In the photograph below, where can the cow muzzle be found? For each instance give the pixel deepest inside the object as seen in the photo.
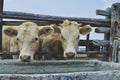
(70, 55)
(25, 58)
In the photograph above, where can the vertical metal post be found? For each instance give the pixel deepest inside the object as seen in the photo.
(87, 43)
(1, 11)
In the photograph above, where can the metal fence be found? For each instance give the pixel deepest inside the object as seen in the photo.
(109, 26)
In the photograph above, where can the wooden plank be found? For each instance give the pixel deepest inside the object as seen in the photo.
(115, 21)
(54, 19)
(102, 30)
(101, 42)
(42, 67)
(106, 56)
(115, 51)
(103, 13)
(115, 29)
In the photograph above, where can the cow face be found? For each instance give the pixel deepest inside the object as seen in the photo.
(27, 38)
(70, 31)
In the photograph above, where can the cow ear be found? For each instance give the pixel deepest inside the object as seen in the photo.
(86, 29)
(45, 30)
(11, 32)
(56, 28)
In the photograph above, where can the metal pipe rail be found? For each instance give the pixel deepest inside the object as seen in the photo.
(54, 19)
(52, 52)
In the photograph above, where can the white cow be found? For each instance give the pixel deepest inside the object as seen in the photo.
(25, 39)
(70, 34)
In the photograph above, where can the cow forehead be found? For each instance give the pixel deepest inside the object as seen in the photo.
(70, 31)
(28, 32)
(28, 27)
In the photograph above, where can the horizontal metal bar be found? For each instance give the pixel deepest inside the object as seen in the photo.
(51, 52)
(93, 52)
(54, 19)
(93, 24)
(9, 53)
(46, 17)
(17, 23)
(94, 43)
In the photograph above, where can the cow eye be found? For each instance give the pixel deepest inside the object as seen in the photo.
(17, 39)
(62, 37)
(36, 39)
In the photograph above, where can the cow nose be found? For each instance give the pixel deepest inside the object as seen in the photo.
(25, 58)
(70, 55)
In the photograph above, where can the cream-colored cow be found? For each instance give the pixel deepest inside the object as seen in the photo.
(6, 43)
(70, 31)
(25, 39)
(65, 39)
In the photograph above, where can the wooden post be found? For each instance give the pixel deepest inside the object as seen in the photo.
(1, 11)
(107, 37)
(115, 31)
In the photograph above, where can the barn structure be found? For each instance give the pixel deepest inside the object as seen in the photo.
(68, 69)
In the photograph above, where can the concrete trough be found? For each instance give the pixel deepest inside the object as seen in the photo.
(59, 70)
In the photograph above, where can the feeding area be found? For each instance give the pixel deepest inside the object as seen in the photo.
(62, 69)
(33, 57)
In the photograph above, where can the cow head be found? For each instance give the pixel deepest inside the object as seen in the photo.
(27, 38)
(70, 31)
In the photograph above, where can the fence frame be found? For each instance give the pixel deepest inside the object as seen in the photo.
(110, 22)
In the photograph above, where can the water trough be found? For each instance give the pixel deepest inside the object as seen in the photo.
(59, 70)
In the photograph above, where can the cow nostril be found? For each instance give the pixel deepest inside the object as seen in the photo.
(25, 58)
(70, 54)
(29, 57)
(67, 54)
